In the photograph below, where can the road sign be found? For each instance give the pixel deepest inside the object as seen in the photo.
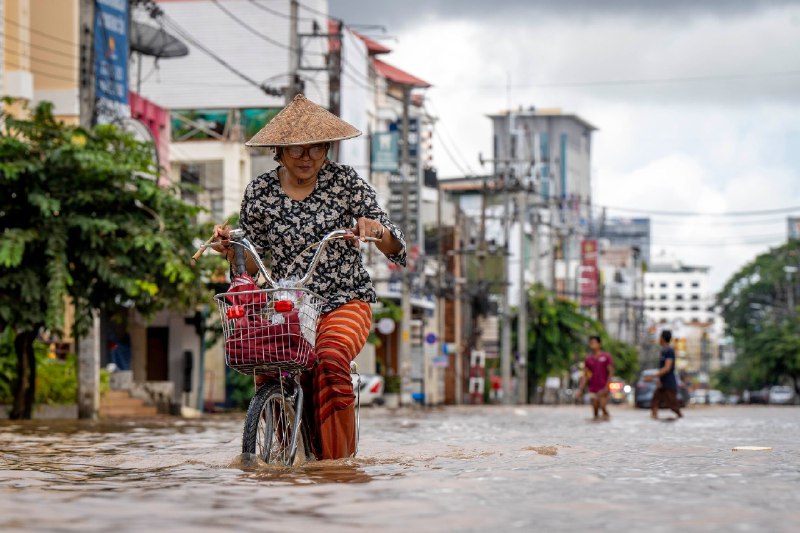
(430, 338)
(441, 361)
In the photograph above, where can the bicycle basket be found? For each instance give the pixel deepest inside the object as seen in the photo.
(269, 329)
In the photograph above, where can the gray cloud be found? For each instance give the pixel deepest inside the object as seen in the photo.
(396, 16)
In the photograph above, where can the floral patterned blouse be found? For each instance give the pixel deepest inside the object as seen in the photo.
(285, 227)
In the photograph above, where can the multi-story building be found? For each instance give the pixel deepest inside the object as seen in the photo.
(548, 154)
(678, 297)
(624, 249)
(674, 291)
(627, 232)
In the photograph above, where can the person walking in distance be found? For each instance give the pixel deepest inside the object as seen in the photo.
(598, 369)
(667, 385)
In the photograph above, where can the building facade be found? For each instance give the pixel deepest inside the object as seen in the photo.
(547, 154)
(678, 297)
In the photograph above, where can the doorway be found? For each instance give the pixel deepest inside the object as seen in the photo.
(157, 354)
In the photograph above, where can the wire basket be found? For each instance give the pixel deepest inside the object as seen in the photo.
(269, 329)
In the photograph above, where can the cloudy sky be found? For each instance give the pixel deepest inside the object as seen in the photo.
(697, 101)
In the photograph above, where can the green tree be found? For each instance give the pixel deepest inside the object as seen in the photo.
(757, 305)
(558, 333)
(83, 217)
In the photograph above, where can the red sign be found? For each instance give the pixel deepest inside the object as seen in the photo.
(588, 278)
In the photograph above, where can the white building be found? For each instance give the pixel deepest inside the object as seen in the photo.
(674, 291)
(678, 297)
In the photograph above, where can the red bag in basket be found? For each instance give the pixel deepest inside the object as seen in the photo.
(255, 341)
(243, 283)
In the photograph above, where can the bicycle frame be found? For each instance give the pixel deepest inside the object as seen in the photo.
(242, 245)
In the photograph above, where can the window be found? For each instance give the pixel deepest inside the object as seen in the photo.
(679, 296)
(663, 297)
(651, 285)
(695, 284)
(695, 296)
(663, 285)
(679, 308)
(678, 284)
(694, 319)
(695, 308)
(663, 308)
(651, 308)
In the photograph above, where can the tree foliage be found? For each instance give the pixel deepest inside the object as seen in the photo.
(756, 304)
(557, 337)
(83, 217)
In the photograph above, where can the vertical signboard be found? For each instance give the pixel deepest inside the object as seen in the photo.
(794, 227)
(385, 153)
(589, 279)
(111, 61)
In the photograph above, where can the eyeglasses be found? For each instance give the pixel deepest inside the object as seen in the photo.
(315, 151)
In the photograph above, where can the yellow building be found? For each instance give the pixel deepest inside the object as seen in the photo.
(40, 53)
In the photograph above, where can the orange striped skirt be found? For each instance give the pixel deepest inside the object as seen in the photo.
(331, 412)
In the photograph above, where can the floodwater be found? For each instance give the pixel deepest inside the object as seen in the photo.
(446, 469)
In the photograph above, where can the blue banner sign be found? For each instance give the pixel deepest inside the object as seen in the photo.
(111, 61)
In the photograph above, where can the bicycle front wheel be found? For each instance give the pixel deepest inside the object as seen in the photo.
(270, 427)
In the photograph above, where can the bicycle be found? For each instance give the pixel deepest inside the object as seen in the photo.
(272, 331)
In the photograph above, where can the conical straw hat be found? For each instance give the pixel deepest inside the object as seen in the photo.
(303, 122)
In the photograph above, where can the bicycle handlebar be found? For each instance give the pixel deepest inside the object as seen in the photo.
(237, 238)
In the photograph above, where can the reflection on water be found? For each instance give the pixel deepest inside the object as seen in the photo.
(445, 469)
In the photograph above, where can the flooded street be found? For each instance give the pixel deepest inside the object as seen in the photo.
(454, 469)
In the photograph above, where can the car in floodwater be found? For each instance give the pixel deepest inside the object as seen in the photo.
(643, 393)
(370, 389)
(619, 390)
(781, 395)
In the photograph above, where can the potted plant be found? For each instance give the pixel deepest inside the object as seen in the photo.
(391, 395)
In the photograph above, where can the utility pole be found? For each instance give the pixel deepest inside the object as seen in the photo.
(522, 309)
(404, 358)
(88, 348)
(86, 73)
(294, 53)
(505, 349)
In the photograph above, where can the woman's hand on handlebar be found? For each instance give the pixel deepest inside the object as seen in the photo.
(221, 235)
(367, 229)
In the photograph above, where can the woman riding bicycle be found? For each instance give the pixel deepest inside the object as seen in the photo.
(289, 208)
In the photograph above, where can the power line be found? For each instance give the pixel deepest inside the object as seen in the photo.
(647, 81)
(256, 32)
(188, 37)
(278, 13)
(50, 63)
(450, 138)
(40, 72)
(705, 214)
(37, 32)
(316, 11)
(750, 240)
(38, 47)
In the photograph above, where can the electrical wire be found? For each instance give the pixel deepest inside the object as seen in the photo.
(37, 60)
(174, 26)
(258, 34)
(706, 214)
(40, 72)
(450, 138)
(41, 33)
(35, 46)
(644, 81)
(278, 13)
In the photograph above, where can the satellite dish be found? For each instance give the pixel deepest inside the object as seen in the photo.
(151, 41)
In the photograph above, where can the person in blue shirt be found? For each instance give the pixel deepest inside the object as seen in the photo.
(667, 385)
